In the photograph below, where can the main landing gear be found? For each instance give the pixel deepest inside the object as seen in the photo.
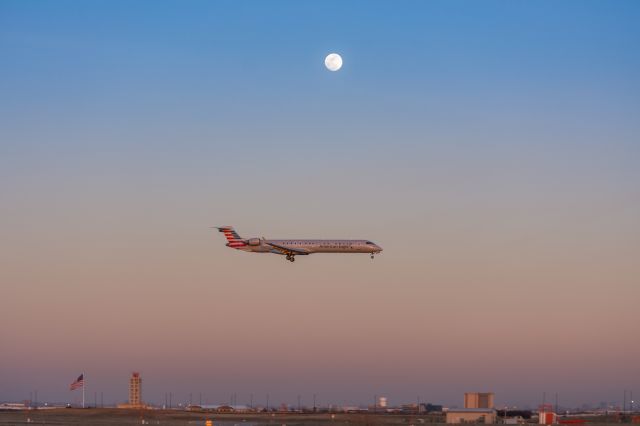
(291, 258)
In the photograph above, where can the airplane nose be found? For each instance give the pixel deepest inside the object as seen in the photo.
(378, 248)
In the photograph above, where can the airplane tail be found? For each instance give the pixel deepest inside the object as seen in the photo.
(234, 240)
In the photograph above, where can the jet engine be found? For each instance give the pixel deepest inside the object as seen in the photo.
(253, 241)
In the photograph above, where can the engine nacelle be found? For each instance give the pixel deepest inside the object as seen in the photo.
(253, 241)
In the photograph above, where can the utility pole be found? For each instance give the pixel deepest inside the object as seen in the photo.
(170, 399)
(298, 402)
(36, 398)
(251, 401)
(314, 403)
(95, 399)
(200, 399)
(101, 401)
(267, 402)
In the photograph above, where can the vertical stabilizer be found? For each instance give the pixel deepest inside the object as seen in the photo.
(234, 240)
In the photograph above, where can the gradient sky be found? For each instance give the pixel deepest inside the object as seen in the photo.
(491, 148)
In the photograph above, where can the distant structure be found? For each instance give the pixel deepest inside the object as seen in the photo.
(382, 402)
(471, 415)
(224, 408)
(135, 392)
(11, 406)
(478, 400)
(547, 415)
(430, 408)
(135, 389)
(478, 408)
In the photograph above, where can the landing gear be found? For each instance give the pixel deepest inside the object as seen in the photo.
(291, 258)
(372, 256)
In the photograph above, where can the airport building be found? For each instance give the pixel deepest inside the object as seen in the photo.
(478, 400)
(135, 392)
(471, 415)
(135, 389)
(478, 408)
(547, 415)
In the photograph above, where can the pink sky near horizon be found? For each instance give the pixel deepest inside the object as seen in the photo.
(440, 312)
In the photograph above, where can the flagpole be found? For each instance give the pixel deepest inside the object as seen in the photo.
(84, 381)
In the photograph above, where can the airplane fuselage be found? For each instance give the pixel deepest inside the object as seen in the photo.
(293, 247)
(315, 246)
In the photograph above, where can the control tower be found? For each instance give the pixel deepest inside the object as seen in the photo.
(135, 390)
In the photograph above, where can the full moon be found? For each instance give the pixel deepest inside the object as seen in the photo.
(333, 62)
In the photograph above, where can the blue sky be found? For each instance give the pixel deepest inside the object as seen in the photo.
(490, 147)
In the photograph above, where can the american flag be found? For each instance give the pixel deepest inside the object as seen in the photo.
(78, 383)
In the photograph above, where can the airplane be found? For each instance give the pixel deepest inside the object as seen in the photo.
(292, 248)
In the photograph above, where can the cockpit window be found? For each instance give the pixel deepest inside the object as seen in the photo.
(370, 243)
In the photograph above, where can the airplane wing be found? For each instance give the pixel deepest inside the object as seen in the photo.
(287, 250)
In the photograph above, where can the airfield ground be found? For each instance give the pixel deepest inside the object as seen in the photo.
(110, 416)
(107, 416)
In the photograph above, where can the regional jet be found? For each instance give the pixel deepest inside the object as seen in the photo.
(292, 248)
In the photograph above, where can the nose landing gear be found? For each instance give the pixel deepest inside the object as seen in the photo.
(372, 256)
